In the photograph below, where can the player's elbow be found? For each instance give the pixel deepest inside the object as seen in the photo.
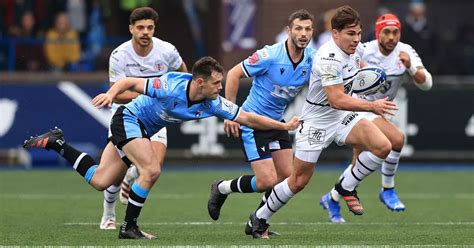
(336, 103)
(428, 83)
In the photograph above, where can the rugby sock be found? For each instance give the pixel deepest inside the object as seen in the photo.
(389, 168)
(136, 200)
(242, 184)
(280, 195)
(81, 161)
(335, 196)
(265, 197)
(366, 163)
(110, 197)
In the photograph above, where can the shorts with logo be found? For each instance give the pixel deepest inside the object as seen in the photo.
(259, 144)
(313, 135)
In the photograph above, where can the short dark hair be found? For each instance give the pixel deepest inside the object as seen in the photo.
(143, 13)
(301, 14)
(344, 16)
(205, 66)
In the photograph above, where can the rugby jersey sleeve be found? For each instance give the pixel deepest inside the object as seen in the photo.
(225, 109)
(174, 59)
(116, 66)
(414, 57)
(257, 63)
(157, 87)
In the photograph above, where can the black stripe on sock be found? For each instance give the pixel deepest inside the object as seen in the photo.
(269, 208)
(353, 174)
(278, 198)
(363, 165)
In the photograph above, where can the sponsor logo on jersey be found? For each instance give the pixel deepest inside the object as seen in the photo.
(156, 83)
(264, 53)
(132, 65)
(142, 69)
(253, 58)
(227, 105)
(158, 66)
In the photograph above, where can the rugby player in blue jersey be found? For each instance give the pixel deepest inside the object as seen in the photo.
(279, 73)
(170, 99)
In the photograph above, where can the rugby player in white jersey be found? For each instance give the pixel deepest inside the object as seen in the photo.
(325, 119)
(144, 56)
(396, 58)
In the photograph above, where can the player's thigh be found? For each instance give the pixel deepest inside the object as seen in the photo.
(159, 150)
(141, 154)
(392, 132)
(111, 169)
(365, 135)
(283, 161)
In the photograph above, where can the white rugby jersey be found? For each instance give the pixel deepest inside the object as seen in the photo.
(124, 62)
(392, 65)
(331, 66)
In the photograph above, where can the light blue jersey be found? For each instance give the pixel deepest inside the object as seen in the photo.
(166, 102)
(276, 79)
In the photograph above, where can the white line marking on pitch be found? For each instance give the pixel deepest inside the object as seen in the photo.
(284, 223)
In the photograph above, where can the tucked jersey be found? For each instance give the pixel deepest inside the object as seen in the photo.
(124, 62)
(166, 102)
(331, 66)
(392, 65)
(276, 79)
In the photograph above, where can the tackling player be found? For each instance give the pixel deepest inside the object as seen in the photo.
(168, 100)
(396, 58)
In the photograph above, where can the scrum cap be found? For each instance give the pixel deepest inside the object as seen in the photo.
(385, 21)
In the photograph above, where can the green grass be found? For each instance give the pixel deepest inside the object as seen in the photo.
(59, 208)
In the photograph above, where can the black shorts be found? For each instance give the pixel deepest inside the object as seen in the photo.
(259, 144)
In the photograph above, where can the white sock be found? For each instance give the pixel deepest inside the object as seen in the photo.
(389, 168)
(366, 163)
(224, 187)
(280, 195)
(110, 197)
(334, 194)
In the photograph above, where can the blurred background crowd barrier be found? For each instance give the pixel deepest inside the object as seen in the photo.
(54, 58)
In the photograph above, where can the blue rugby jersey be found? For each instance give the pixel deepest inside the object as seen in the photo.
(166, 102)
(276, 79)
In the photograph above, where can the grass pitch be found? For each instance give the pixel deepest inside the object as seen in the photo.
(59, 208)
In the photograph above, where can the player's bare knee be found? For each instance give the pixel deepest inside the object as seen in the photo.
(383, 149)
(300, 183)
(100, 186)
(398, 141)
(266, 183)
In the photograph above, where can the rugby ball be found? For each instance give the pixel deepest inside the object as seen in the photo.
(368, 80)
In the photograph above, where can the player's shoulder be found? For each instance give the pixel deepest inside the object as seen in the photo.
(122, 50)
(175, 81)
(162, 46)
(329, 53)
(404, 47)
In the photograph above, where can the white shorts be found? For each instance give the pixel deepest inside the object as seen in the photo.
(371, 116)
(314, 136)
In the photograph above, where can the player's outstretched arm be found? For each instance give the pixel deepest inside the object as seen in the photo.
(231, 89)
(106, 99)
(339, 100)
(256, 121)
